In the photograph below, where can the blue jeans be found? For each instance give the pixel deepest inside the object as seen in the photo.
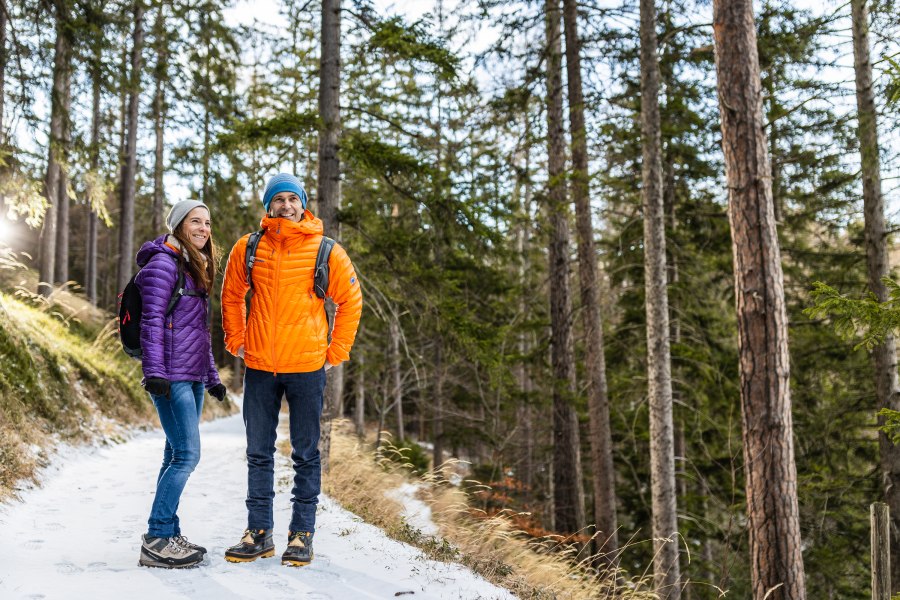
(179, 415)
(262, 403)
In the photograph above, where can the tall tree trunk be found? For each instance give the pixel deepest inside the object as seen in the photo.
(62, 214)
(776, 561)
(4, 54)
(329, 180)
(603, 475)
(62, 58)
(666, 570)
(437, 427)
(397, 391)
(878, 267)
(159, 118)
(129, 167)
(90, 267)
(568, 497)
(359, 413)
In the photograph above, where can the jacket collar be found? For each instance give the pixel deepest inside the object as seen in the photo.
(280, 229)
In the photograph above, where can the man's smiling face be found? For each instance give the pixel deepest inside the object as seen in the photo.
(286, 205)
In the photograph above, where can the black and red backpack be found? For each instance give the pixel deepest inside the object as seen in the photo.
(131, 306)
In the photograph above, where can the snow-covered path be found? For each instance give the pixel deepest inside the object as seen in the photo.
(78, 536)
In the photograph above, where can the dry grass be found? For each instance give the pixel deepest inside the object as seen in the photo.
(490, 545)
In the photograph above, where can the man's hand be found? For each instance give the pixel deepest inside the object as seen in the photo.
(240, 352)
(157, 386)
(328, 365)
(218, 392)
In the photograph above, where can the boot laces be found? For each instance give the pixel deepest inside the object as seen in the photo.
(175, 546)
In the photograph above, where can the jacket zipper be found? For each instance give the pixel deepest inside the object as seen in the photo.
(274, 325)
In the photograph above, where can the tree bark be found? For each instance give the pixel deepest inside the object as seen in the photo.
(129, 167)
(159, 118)
(776, 561)
(568, 497)
(437, 427)
(359, 413)
(62, 214)
(394, 326)
(62, 58)
(878, 267)
(328, 193)
(90, 267)
(666, 571)
(603, 476)
(4, 55)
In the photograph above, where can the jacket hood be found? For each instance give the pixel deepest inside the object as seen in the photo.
(280, 228)
(148, 249)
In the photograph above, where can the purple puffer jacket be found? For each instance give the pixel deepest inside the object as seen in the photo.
(177, 347)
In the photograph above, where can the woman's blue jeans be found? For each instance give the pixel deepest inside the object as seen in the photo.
(179, 415)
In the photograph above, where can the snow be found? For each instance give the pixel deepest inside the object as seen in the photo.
(416, 512)
(78, 536)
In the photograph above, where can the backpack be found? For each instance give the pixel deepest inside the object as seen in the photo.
(131, 306)
(321, 273)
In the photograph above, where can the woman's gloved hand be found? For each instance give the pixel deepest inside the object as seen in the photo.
(218, 392)
(157, 386)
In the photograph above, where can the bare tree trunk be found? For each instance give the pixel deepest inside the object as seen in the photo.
(159, 119)
(328, 191)
(394, 326)
(437, 428)
(90, 267)
(603, 475)
(878, 267)
(359, 414)
(776, 561)
(62, 58)
(666, 571)
(129, 167)
(62, 214)
(4, 54)
(568, 496)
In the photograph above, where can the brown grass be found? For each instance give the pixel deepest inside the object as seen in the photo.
(490, 545)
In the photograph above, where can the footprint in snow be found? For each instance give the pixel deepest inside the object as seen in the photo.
(33, 544)
(67, 568)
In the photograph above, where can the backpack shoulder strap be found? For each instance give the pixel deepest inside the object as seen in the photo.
(178, 292)
(250, 254)
(322, 271)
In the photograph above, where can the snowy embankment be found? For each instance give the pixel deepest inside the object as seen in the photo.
(78, 536)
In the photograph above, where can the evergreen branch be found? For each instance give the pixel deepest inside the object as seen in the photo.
(864, 317)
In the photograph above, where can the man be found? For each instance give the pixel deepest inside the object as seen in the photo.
(285, 346)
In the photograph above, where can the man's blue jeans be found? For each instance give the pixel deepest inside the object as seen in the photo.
(262, 402)
(179, 415)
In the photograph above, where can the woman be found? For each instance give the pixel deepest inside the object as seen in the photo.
(177, 362)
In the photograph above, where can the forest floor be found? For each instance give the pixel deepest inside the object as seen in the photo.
(78, 534)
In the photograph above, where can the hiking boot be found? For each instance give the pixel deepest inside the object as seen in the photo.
(256, 543)
(299, 551)
(167, 553)
(182, 540)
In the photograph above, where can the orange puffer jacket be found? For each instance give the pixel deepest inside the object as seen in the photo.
(287, 331)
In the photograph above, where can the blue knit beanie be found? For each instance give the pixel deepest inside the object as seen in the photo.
(283, 182)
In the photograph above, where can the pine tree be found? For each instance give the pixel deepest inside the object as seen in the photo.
(771, 476)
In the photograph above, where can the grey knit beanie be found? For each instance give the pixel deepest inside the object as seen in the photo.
(179, 211)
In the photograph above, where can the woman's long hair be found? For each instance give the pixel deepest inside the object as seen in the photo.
(195, 260)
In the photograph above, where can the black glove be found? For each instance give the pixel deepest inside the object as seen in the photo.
(157, 386)
(218, 392)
